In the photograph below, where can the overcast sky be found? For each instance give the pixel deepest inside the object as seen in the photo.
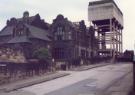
(74, 10)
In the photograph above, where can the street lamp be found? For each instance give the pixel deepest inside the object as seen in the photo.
(53, 60)
(48, 46)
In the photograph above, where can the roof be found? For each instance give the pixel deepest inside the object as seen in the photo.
(34, 31)
(61, 20)
(7, 31)
(103, 2)
(100, 2)
(38, 33)
(31, 18)
(4, 40)
(19, 39)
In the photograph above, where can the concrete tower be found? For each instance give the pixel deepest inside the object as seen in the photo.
(108, 22)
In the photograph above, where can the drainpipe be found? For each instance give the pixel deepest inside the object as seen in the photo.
(134, 71)
(134, 76)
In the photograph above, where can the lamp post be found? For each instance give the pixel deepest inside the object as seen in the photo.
(53, 63)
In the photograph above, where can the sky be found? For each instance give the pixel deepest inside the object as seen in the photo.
(74, 10)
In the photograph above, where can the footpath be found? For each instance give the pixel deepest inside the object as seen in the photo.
(87, 67)
(43, 78)
(31, 81)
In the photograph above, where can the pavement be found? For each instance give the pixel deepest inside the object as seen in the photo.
(50, 83)
(89, 82)
(39, 79)
(31, 81)
(87, 67)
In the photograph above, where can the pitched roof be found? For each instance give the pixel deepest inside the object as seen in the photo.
(34, 32)
(19, 39)
(31, 18)
(38, 33)
(7, 31)
(3, 40)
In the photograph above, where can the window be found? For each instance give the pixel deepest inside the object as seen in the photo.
(59, 37)
(20, 31)
(59, 29)
(62, 35)
(59, 53)
(87, 54)
(69, 35)
(83, 53)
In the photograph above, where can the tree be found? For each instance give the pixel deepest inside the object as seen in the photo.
(42, 54)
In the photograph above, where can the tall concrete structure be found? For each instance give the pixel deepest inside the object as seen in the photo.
(108, 22)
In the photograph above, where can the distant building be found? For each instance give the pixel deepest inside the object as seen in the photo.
(72, 42)
(21, 36)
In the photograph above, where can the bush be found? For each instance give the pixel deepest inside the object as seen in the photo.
(42, 54)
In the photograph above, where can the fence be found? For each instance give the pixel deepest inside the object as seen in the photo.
(22, 70)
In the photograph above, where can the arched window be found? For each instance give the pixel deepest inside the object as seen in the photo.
(60, 34)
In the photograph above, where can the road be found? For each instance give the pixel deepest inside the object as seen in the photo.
(89, 82)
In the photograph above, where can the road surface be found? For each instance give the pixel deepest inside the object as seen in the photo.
(89, 82)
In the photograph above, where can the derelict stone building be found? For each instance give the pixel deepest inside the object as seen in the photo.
(72, 42)
(21, 36)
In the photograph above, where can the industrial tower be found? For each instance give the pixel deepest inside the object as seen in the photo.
(107, 19)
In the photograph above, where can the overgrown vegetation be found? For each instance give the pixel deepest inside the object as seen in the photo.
(42, 54)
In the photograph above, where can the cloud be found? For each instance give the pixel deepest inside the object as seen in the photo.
(74, 10)
(48, 9)
(129, 19)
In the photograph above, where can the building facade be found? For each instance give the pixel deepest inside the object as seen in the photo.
(71, 42)
(22, 36)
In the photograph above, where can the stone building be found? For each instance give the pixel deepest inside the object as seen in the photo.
(21, 36)
(70, 43)
(73, 43)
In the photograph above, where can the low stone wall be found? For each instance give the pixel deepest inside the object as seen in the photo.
(14, 71)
